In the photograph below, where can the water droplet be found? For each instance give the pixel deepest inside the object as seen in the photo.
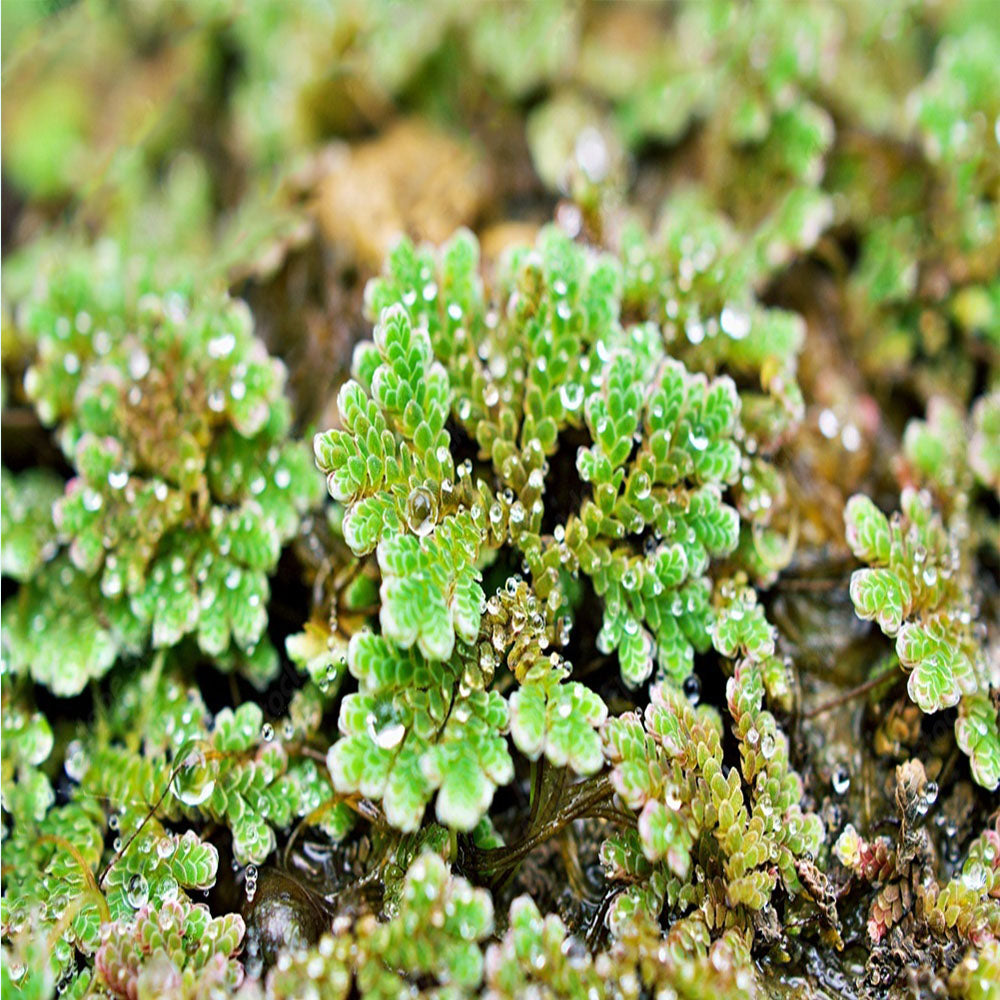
(828, 424)
(118, 479)
(642, 485)
(92, 500)
(267, 732)
(592, 154)
(734, 322)
(221, 346)
(421, 511)
(851, 437)
(565, 627)
(390, 736)
(491, 395)
(193, 782)
(569, 218)
(692, 688)
(840, 779)
(974, 877)
(167, 890)
(571, 395)
(698, 439)
(767, 746)
(137, 891)
(138, 364)
(672, 798)
(76, 760)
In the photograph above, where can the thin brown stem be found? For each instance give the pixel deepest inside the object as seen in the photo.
(500, 860)
(151, 812)
(847, 696)
(813, 584)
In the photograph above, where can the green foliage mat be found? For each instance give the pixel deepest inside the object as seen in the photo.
(645, 639)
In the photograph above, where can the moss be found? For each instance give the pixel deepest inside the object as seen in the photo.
(644, 639)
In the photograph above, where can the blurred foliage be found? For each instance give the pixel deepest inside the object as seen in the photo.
(654, 354)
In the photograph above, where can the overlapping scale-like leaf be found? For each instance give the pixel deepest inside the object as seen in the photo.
(409, 733)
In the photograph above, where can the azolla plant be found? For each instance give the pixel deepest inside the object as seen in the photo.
(644, 640)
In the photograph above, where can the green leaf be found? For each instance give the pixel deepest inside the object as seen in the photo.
(29, 537)
(880, 595)
(867, 530)
(407, 734)
(940, 672)
(978, 734)
(558, 719)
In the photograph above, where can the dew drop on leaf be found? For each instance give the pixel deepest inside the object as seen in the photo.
(421, 511)
(193, 783)
(698, 439)
(168, 889)
(137, 891)
(391, 736)
(735, 322)
(571, 395)
(76, 760)
(974, 877)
